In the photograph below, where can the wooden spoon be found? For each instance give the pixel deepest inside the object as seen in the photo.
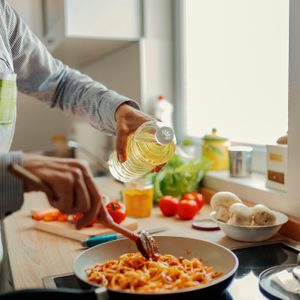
(144, 241)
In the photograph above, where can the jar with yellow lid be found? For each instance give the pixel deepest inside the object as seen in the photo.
(215, 148)
(138, 198)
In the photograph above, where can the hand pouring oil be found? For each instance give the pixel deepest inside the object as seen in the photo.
(152, 144)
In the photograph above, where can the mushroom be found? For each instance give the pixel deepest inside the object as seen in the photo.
(240, 214)
(262, 215)
(221, 202)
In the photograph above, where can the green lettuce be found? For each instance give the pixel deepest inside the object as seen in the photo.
(179, 177)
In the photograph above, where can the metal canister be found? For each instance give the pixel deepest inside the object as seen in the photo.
(240, 161)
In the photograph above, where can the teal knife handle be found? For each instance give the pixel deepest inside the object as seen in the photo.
(99, 239)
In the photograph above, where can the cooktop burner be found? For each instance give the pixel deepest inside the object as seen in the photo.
(245, 286)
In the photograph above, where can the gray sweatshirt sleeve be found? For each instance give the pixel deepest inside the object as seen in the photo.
(49, 80)
(11, 188)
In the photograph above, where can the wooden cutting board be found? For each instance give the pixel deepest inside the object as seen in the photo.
(68, 230)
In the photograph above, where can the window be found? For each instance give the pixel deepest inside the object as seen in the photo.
(233, 50)
(236, 68)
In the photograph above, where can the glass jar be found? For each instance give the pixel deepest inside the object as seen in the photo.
(138, 198)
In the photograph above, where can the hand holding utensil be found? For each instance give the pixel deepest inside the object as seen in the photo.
(35, 181)
(144, 241)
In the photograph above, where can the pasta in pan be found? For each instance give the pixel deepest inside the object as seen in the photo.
(132, 272)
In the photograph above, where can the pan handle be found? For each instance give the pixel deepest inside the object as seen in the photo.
(50, 294)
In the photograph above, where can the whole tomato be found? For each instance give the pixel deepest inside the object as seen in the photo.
(117, 211)
(168, 205)
(194, 196)
(187, 209)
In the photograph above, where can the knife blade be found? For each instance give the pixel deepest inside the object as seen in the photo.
(100, 239)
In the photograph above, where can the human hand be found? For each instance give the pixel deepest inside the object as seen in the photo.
(98, 209)
(157, 168)
(70, 181)
(128, 119)
(103, 215)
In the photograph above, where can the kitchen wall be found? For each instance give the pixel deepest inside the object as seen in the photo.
(157, 53)
(36, 123)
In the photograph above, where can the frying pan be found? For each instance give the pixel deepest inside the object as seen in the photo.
(212, 254)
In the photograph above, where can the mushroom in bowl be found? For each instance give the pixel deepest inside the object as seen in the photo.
(251, 233)
(240, 214)
(221, 203)
(243, 223)
(262, 215)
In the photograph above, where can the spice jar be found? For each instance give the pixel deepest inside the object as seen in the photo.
(138, 198)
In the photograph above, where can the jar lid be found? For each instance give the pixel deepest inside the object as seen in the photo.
(139, 184)
(205, 224)
(213, 137)
(240, 149)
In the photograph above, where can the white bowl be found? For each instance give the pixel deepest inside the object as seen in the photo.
(251, 233)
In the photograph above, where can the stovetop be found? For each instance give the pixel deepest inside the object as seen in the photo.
(245, 286)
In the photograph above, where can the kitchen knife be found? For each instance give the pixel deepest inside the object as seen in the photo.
(100, 239)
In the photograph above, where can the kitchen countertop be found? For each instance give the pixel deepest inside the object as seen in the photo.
(33, 254)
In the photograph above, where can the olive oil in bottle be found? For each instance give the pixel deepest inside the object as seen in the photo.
(151, 145)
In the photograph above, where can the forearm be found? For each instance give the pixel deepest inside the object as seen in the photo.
(90, 100)
(11, 188)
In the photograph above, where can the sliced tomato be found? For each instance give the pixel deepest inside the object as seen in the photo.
(48, 214)
(74, 219)
(62, 217)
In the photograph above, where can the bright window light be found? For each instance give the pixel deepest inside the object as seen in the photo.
(236, 69)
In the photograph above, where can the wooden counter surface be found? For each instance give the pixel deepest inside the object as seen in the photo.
(34, 254)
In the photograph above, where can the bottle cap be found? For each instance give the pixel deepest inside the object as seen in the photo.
(164, 135)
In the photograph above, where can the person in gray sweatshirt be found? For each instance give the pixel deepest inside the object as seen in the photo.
(27, 66)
